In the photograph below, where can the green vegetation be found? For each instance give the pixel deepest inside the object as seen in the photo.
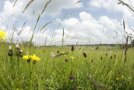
(84, 68)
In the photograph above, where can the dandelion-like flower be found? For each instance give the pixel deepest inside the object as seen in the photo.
(35, 58)
(2, 35)
(26, 57)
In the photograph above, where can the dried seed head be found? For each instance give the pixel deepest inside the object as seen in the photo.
(34, 62)
(106, 54)
(84, 54)
(72, 48)
(97, 48)
(101, 58)
(92, 60)
(66, 60)
(28, 60)
(111, 57)
(114, 55)
(10, 52)
(58, 51)
(71, 77)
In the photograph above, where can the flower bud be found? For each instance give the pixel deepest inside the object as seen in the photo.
(10, 51)
(21, 53)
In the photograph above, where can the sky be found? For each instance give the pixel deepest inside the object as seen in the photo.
(84, 22)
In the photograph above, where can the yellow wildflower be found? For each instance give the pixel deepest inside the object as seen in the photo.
(2, 35)
(35, 58)
(26, 57)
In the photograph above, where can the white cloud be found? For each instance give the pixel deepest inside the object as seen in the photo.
(112, 6)
(37, 6)
(87, 28)
(82, 30)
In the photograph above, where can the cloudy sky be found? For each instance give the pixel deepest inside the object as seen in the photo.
(84, 22)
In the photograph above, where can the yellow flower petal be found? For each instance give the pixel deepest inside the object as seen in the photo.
(35, 58)
(2, 35)
(26, 57)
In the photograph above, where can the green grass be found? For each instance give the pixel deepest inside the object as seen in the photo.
(79, 73)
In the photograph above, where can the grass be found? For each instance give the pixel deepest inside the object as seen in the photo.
(102, 69)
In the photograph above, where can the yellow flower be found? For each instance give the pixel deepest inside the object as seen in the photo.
(26, 57)
(35, 58)
(2, 35)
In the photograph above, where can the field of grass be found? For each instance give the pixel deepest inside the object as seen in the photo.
(85, 68)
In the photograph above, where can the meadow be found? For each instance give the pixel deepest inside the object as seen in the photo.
(67, 68)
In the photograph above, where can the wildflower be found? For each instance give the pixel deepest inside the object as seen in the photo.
(35, 58)
(122, 76)
(10, 51)
(26, 57)
(84, 54)
(2, 35)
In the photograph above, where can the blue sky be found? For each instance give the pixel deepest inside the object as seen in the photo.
(87, 22)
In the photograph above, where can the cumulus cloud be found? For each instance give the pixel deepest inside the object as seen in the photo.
(83, 30)
(89, 29)
(112, 6)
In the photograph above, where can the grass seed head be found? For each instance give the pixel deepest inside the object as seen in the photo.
(10, 51)
(66, 60)
(84, 54)
(111, 57)
(72, 48)
(114, 55)
(106, 54)
(58, 51)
